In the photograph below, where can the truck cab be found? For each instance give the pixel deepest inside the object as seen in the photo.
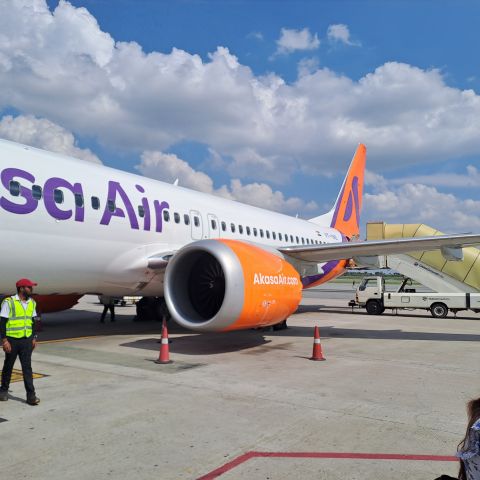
(370, 294)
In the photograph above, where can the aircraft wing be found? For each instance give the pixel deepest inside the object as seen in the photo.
(339, 251)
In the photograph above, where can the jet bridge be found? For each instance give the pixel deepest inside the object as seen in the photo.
(442, 270)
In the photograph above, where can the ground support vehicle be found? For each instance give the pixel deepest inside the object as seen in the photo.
(372, 295)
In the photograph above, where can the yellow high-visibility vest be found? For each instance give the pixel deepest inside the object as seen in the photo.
(20, 320)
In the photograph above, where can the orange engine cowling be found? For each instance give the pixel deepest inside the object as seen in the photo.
(220, 285)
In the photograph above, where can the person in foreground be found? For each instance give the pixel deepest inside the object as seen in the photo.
(468, 450)
(17, 328)
(469, 447)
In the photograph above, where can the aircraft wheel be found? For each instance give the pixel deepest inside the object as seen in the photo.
(374, 307)
(439, 310)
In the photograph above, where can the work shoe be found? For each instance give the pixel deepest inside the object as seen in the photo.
(33, 400)
(3, 395)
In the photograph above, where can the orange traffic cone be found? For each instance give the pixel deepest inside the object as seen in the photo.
(317, 347)
(164, 356)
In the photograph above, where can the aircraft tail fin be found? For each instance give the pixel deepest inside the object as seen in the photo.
(345, 215)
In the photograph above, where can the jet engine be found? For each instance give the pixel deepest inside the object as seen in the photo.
(220, 285)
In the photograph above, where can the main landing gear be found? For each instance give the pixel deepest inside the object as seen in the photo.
(152, 309)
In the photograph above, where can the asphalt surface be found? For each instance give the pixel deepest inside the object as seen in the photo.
(390, 385)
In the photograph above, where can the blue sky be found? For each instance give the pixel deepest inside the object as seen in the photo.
(280, 105)
(422, 33)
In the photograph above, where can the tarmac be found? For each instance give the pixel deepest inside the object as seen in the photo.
(388, 402)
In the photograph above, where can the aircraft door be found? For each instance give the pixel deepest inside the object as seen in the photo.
(196, 223)
(213, 226)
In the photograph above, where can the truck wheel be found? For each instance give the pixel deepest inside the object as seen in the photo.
(374, 307)
(439, 310)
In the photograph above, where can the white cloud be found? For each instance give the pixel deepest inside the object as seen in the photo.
(41, 133)
(418, 203)
(59, 65)
(452, 180)
(307, 66)
(256, 35)
(168, 168)
(339, 32)
(292, 40)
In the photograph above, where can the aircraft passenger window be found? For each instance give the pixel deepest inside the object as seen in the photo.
(111, 205)
(297, 239)
(303, 241)
(176, 217)
(280, 236)
(196, 221)
(267, 233)
(274, 235)
(79, 200)
(248, 230)
(95, 203)
(232, 227)
(254, 232)
(166, 215)
(240, 229)
(261, 232)
(291, 238)
(224, 227)
(14, 188)
(37, 192)
(141, 211)
(58, 196)
(214, 224)
(186, 219)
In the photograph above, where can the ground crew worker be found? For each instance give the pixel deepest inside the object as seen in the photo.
(17, 329)
(108, 304)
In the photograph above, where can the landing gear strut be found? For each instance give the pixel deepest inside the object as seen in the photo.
(280, 326)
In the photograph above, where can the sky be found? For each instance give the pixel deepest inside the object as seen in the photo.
(259, 101)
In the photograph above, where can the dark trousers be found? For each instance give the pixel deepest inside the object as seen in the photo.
(21, 347)
(106, 308)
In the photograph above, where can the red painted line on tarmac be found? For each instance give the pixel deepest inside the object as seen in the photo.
(228, 466)
(337, 455)
(358, 456)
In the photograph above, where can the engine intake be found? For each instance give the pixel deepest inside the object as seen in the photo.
(218, 285)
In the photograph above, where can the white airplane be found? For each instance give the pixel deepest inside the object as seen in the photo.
(78, 228)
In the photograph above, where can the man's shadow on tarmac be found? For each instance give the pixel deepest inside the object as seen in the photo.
(16, 399)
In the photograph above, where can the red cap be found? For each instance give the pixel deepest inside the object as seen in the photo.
(25, 282)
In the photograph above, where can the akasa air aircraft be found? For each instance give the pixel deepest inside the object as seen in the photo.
(77, 227)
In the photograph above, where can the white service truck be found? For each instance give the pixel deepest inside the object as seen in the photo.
(372, 295)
